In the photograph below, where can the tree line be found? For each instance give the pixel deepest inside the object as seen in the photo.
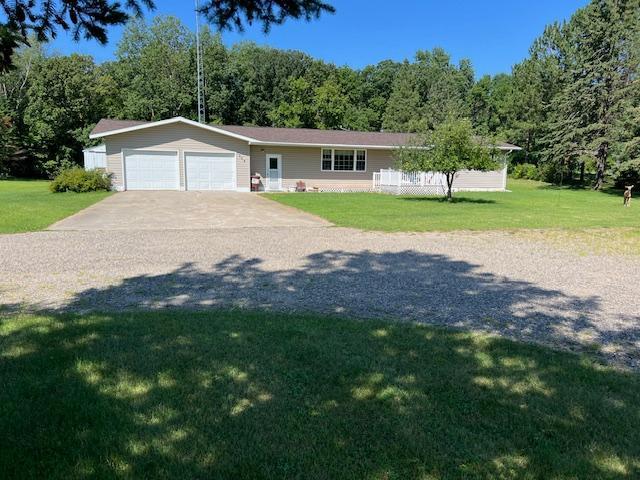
(573, 104)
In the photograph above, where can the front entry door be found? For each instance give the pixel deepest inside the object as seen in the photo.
(274, 172)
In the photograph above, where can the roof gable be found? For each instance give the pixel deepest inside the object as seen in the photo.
(107, 127)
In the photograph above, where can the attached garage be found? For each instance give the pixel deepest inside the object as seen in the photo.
(151, 170)
(210, 171)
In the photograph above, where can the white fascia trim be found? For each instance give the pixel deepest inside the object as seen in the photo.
(344, 145)
(170, 121)
(324, 145)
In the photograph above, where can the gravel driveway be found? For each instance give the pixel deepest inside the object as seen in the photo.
(494, 282)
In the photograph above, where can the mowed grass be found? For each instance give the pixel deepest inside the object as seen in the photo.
(528, 205)
(28, 205)
(234, 395)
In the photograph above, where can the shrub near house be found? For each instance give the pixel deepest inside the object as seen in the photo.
(526, 171)
(80, 180)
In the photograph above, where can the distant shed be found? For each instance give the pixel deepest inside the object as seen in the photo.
(95, 157)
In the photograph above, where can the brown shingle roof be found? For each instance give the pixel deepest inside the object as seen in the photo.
(318, 137)
(107, 125)
(292, 135)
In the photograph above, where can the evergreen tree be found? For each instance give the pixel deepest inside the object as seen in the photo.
(403, 112)
(443, 87)
(594, 54)
(535, 83)
(626, 131)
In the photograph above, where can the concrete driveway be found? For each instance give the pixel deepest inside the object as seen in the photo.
(186, 211)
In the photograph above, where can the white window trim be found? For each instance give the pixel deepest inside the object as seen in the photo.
(355, 159)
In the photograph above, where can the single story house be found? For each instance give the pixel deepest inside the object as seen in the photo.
(180, 154)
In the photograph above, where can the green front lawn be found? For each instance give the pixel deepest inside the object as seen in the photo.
(529, 205)
(28, 205)
(257, 395)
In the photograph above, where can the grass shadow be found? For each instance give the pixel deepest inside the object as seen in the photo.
(455, 199)
(234, 395)
(567, 186)
(607, 189)
(617, 192)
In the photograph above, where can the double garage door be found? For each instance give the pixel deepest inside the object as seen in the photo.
(149, 170)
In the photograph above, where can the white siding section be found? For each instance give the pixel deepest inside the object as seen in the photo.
(471, 180)
(95, 157)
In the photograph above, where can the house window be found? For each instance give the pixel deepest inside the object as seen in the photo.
(361, 160)
(341, 160)
(327, 159)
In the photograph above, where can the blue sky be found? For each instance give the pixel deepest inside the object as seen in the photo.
(494, 34)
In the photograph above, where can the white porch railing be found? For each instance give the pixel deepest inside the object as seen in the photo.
(406, 183)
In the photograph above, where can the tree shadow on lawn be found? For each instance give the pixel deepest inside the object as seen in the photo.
(190, 394)
(567, 186)
(585, 187)
(455, 199)
(405, 285)
(176, 394)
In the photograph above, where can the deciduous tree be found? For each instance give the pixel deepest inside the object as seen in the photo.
(154, 69)
(296, 109)
(448, 149)
(62, 107)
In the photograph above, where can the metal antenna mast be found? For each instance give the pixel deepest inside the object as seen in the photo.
(202, 110)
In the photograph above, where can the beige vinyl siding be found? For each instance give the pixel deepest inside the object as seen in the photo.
(181, 138)
(303, 163)
(474, 180)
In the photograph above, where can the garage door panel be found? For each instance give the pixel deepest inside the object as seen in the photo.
(146, 170)
(210, 171)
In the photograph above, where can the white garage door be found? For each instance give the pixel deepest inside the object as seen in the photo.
(146, 170)
(210, 171)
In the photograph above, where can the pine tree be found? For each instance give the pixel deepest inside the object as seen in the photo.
(626, 131)
(403, 108)
(594, 53)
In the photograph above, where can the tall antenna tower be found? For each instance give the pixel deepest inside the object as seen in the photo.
(202, 109)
